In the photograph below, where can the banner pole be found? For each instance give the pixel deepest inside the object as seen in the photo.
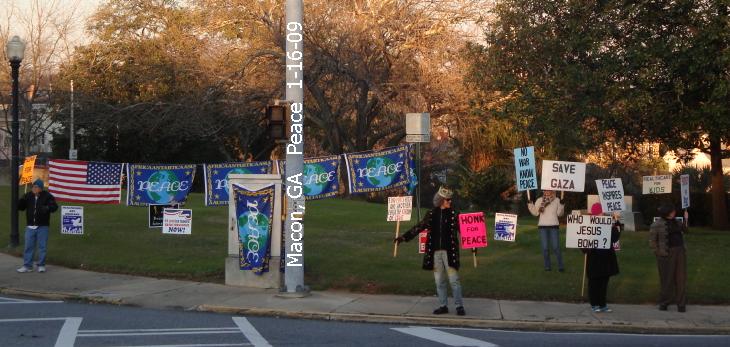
(418, 185)
(528, 196)
(583, 285)
(562, 196)
(474, 255)
(397, 232)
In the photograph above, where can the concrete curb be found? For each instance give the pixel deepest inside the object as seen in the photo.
(467, 322)
(401, 319)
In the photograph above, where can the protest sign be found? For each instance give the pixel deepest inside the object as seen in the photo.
(505, 227)
(684, 182)
(588, 231)
(422, 239)
(155, 214)
(611, 194)
(28, 167)
(661, 184)
(399, 208)
(473, 230)
(72, 220)
(563, 176)
(525, 174)
(177, 221)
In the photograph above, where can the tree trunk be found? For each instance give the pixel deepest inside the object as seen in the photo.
(719, 204)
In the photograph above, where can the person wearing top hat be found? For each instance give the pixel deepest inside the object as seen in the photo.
(601, 264)
(38, 205)
(442, 249)
(666, 238)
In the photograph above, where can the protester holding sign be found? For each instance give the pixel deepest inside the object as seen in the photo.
(601, 264)
(666, 238)
(549, 208)
(442, 249)
(38, 206)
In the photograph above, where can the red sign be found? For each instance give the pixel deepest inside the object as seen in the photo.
(473, 230)
(422, 239)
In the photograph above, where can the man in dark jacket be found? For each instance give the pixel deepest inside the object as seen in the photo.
(38, 206)
(442, 249)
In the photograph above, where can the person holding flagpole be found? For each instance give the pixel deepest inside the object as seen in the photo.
(442, 249)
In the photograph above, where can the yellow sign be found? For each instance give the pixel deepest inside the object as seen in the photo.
(28, 167)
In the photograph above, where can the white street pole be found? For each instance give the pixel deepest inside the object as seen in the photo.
(294, 224)
(71, 126)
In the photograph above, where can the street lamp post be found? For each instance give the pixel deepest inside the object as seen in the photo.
(14, 49)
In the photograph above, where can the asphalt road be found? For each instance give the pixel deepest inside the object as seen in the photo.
(38, 323)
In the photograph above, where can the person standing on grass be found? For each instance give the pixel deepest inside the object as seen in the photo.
(548, 208)
(442, 249)
(38, 205)
(666, 238)
(601, 264)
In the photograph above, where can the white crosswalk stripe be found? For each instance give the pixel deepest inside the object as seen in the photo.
(442, 337)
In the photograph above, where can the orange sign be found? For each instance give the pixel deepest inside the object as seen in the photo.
(28, 167)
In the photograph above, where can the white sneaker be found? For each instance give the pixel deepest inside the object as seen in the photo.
(41, 269)
(24, 269)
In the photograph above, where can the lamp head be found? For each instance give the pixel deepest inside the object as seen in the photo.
(15, 49)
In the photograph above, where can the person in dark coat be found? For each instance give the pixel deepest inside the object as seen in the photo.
(38, 205)
(601, 264)
(666, 238)
(442, 249)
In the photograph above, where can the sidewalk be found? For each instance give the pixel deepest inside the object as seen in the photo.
(63, 283)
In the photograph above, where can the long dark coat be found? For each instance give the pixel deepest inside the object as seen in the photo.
(447, 219)
(603, 262)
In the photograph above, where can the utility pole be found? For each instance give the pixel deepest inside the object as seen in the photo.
(294, 224)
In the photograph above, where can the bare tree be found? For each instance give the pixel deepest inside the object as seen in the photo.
(46, 27)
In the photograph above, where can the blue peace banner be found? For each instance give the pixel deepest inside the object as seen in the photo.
(320, 177)
(254, 218)
(374, 171)
(216, 178)
(158, 184)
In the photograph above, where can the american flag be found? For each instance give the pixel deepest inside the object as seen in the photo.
(85, 181)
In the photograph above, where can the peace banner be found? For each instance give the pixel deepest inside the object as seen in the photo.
(374, 171)
(158, 184)
(216, 178)
(254, 217)
(320, 177)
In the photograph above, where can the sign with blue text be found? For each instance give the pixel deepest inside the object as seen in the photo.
(525, 174)
(216, 178)
(375, 171)
(505, 227)
(72, 220)
(177, 221)
(158, 184)
(254, 217)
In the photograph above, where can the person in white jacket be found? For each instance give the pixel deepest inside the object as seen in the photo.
(548, 208)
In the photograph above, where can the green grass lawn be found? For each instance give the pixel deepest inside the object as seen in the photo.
(348, 245)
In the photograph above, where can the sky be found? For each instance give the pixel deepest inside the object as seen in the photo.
(22, 9)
